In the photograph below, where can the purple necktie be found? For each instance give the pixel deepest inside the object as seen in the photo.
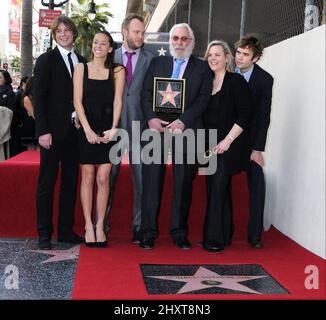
(129, 67)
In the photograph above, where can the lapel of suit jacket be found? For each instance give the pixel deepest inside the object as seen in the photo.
(253, 78)
(190, 68)
(79, 57)
(61, 62)
(139, 66)
(118, 56)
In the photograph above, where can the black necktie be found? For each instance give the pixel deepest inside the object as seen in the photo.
(71, 64)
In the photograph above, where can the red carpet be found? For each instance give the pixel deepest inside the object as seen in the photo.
(114, 273)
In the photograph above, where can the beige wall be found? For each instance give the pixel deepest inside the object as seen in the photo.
(295, 151)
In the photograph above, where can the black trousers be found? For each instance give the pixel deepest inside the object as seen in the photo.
(257, 189)
(218, 217)
(66, 153)
(153, 182)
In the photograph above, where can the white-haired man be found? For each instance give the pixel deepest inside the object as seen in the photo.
(198, 88)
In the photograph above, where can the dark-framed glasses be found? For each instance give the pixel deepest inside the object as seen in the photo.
(183, 38)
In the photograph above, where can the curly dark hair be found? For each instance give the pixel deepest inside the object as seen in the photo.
(251, 42)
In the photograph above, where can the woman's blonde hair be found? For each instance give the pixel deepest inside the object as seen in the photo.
(226, 50)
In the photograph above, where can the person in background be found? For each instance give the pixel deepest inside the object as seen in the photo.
(98, 91)
(57, 134)
(7, 102)
(228, 112)
(7, 95)
(16, 145)
(29, 121)
(249, 49)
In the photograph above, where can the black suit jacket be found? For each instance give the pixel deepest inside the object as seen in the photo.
(235, 106)
(53, 94)
(261, 85)
(199, 81)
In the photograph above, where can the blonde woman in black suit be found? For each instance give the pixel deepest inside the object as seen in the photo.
(229, 112)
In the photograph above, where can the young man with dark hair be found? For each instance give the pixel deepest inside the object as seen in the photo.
(249, 49)
(56, 132)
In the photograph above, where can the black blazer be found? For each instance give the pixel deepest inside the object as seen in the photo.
(53, 94)
(235, 105)
(7, 97)
(199, 81)
(261, 85)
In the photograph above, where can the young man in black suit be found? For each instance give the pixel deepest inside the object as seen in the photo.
(198, 77)
(248, 51)
(56, 132)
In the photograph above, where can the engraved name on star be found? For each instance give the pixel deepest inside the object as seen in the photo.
(60, 255)
(205, 279)
(169, 95)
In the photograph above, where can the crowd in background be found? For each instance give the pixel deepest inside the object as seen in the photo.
(17, 117)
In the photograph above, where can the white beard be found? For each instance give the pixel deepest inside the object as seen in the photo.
(187, 53)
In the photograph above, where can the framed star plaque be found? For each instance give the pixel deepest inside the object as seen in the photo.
(168, 98)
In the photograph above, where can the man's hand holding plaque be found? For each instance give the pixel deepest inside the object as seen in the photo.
(176, 127)
(157, 124)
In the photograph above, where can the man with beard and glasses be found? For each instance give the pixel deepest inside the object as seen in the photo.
(198, 86)
(136, 61)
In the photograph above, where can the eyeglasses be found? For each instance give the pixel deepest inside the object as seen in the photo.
(183, 38)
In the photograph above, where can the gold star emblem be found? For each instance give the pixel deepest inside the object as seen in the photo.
(169, 95)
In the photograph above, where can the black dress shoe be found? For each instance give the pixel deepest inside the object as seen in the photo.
(44, 244)
(182, 243)
(256, 244)
(72, 238)
(213, 248)
(146, 243)
(135, 237)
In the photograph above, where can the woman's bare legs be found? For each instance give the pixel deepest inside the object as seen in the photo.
(86, 196)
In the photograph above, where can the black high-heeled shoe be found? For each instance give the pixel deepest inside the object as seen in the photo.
(102, 244)
(90, 244)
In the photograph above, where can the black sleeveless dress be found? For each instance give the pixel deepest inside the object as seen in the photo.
(98, 96)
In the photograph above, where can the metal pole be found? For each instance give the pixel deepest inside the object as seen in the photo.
(210, 13)
(51, 7)
(189, 11)
(176, 14)
(243, 17)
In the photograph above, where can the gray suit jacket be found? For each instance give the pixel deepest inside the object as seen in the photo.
(131, 108)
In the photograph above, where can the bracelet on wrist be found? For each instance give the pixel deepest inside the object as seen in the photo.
(230, 137)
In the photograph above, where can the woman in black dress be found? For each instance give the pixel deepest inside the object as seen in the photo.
(98, 90)
(229, 112)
